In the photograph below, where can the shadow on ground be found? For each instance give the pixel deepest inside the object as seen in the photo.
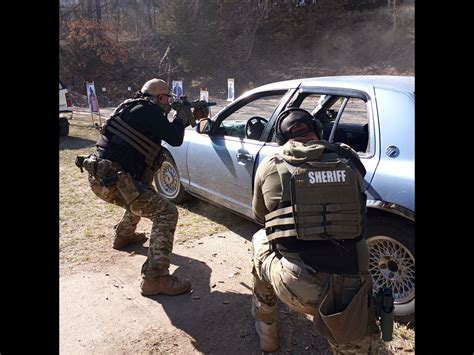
(70, 142)
(239, 225)
(221, 323)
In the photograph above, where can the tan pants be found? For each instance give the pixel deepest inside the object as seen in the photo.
(287, 279)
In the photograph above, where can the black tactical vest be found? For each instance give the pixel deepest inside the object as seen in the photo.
(150, 150)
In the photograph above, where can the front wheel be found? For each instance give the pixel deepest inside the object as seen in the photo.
(167, 181)
(391, 244)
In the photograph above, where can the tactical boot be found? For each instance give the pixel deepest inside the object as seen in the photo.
(166, 285)
(268, 333)
(121, 242)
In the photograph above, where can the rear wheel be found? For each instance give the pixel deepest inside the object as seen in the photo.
(167, 181)
(391, 243)
(63, 126)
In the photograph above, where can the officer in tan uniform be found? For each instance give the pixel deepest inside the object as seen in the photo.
(121, 172)
(305, 256)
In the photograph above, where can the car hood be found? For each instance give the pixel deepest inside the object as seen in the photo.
(296, 153)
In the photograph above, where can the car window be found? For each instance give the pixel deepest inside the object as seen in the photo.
(312, 103)
(353, 127)
(250, 120)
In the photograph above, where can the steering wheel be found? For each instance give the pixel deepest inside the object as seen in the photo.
(254, 127)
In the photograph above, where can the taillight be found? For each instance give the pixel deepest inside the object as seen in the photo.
(68, 100)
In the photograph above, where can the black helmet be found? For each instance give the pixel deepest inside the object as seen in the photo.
(291, 117)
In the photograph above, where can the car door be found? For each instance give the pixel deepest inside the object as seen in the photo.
(221, 164)
(62, 97)
(357, 125)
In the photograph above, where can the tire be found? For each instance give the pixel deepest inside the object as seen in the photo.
(391, 243)
(167, 181)
(63, 127)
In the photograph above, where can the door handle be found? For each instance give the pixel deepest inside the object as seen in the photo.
(244, 156)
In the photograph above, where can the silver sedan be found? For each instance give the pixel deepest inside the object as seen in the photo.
(373, 114)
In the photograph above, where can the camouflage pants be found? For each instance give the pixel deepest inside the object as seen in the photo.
(149, 204)
(276, 277)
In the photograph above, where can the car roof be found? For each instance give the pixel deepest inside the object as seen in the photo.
(391, 82)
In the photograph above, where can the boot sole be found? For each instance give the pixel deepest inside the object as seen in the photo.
(164, 293)
(143, 240)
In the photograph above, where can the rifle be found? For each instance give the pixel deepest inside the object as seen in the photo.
(183, 103)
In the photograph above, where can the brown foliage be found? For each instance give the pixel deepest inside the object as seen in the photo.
(86, 46)
(206, 42)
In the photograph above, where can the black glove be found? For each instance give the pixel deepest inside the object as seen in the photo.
(184, 115)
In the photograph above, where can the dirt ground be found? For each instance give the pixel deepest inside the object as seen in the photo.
(101, 308)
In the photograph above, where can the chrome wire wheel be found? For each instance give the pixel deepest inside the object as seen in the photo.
(168, 180)
(392, 265)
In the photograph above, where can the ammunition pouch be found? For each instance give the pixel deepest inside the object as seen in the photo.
(343, 314)
(103, 170)
(108, 180)
(127, 187)
(105, 167)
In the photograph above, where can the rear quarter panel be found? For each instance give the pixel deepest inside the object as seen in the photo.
(394, 180)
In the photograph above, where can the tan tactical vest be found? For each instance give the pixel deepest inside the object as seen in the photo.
(326, 201)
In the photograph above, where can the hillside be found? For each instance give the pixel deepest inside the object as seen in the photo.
(369, 41)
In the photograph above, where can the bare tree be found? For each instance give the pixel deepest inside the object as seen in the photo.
(89, 9)
(197, 3)
(392, 7)
(117, 19)
(258, 10)
(98, 10)
(137, 17)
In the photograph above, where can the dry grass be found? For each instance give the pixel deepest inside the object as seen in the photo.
(403, 339)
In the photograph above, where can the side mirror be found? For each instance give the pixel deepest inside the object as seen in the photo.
(204, 126)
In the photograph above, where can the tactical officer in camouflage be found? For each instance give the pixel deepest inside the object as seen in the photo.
(121, 172)
(311, 254)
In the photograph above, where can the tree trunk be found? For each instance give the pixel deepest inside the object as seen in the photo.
(89, 9)
(394, 15)
(196, 8)
(250, 45)
(260, 13)
(98, 10)
(117, 14)
(312, 20)
(392, 7)
(169, 70)
(154, 16)
(137, 18)
(148, 13)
